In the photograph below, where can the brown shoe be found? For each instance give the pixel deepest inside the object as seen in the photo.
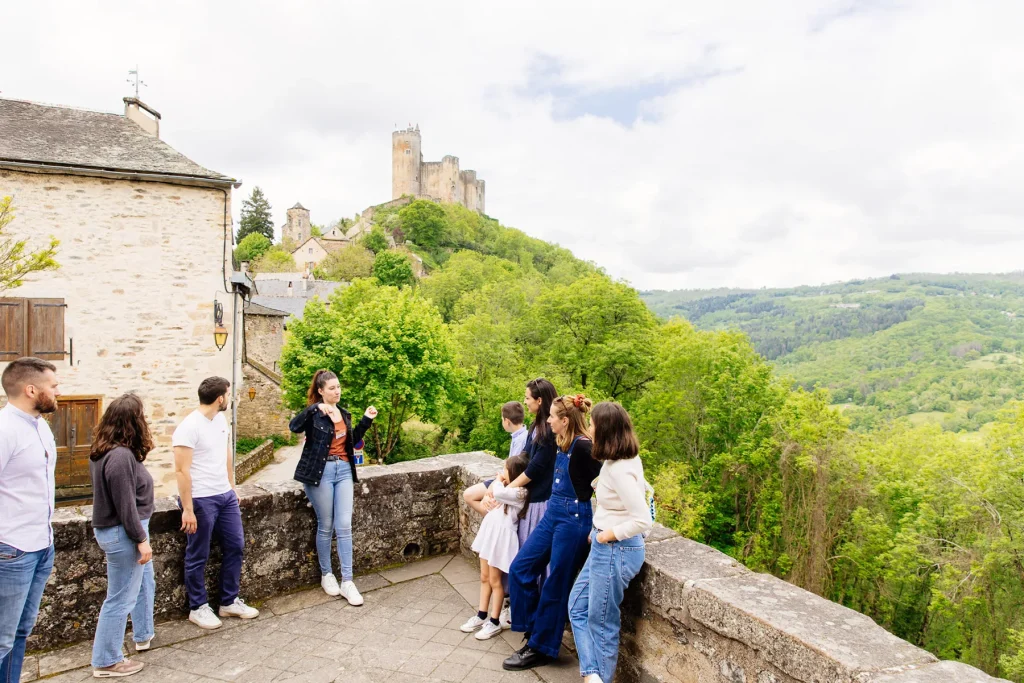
(125, 667)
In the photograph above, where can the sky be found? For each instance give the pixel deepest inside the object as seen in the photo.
(677, 144)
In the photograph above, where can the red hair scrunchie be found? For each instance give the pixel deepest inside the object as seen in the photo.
(578, 400)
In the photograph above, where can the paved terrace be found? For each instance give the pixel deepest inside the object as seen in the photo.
(407, 632)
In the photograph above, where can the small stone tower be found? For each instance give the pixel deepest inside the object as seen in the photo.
(297, 227)
(406, 157)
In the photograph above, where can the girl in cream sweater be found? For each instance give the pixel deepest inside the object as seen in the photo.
(617, 543)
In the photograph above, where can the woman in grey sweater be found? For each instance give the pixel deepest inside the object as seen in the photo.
(121, 507)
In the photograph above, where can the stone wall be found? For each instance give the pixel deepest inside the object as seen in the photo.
(140, 263)
(246, 465)
(264, 339)
(264, 415)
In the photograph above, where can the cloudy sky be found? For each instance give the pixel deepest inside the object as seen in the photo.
(677, 144)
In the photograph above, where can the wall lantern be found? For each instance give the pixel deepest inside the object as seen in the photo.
(220, 333)
(252, 393)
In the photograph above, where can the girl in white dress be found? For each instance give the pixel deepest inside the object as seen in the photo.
(497, 543)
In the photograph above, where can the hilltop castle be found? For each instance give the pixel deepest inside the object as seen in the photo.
(441, 181)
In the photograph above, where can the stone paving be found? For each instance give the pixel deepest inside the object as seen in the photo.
(407, 632)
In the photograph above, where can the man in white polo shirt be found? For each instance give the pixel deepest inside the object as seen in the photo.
(28, 457)
(206, 491)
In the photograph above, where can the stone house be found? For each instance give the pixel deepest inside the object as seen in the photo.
(144, 235)
(260, 411)
(313, 251)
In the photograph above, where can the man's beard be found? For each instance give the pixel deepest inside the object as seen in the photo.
(45, 404)
(223, 406)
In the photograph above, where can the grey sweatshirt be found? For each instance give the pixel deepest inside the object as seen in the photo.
(122, 493)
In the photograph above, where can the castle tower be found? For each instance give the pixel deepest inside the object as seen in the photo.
(297, 227)
(406, 158)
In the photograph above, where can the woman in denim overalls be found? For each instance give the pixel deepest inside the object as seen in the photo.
(558, 543)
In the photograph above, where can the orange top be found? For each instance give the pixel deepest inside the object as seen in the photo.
(339, 442)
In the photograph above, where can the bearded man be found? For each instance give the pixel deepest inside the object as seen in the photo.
(28, 457)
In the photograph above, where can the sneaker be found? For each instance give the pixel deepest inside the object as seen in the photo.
(593, 678)
(144, 645)
(239, 609)
(488, 630)
(472, 624)
(204, 617)
(351, 593)
(506, 618)
(125, 667)
(330, 585)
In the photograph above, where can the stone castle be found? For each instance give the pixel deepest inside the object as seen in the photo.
(440, 181)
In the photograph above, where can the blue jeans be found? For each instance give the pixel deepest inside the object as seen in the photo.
(130, 590)
(332, 501)
(217, 516)
(595, 601)
(22, 580)
(561, 540)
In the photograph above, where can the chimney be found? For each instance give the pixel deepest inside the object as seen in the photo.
(245, 266)
(133, 111)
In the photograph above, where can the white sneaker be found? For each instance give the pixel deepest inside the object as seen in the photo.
(330, 585)
(145, 645)
(488, 630)
(506, 618)
(204, 617)
(239, 609)
(351, 593)
(472, 624)
(593, 678)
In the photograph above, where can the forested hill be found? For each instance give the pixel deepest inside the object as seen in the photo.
(933, 348)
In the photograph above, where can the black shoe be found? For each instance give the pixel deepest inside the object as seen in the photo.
(525, 659)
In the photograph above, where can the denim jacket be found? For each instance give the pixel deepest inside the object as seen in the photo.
(319, 430)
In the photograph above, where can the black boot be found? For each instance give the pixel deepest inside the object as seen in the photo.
(526, 659)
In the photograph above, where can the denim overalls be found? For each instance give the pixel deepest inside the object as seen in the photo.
(561, 541)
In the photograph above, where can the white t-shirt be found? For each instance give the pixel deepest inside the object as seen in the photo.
(208, 440)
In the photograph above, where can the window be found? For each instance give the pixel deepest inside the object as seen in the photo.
(408, 151)
(311, 250)
(31, 327)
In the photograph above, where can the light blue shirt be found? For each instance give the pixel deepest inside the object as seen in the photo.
(518, 442)
(28, 460)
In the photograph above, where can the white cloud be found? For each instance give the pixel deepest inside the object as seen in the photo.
(677, 144)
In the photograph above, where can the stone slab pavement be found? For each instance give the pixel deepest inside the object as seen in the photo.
(407, 632)
(281, 468)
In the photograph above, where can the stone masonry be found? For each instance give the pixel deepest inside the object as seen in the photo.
(441, 181)
(141, 263)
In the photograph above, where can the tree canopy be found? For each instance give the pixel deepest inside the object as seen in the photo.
(255, 216)
(17, 260)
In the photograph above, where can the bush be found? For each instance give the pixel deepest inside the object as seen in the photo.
(247, 444)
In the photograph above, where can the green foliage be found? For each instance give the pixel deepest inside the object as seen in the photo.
(316, 230)
(251, 247)
(424, 223)
(389, 349)
(247, 444)
(346, 264)
(276, 260)
(392, 268)
(15, 262)
(255, 216)
(375, 240)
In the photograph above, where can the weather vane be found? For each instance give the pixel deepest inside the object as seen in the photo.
(135, 80)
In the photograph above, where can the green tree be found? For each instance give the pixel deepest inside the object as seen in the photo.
(316, 230)
(423, 222)
(346, 264)
(256, 216)
(392, 268)
(251, 247)
(375, 240)
(274, 261)
(16, 262)
(389, 348)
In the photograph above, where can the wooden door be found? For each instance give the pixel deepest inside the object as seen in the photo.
(73, 425)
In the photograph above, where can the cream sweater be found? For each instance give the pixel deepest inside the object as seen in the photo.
(621, 499)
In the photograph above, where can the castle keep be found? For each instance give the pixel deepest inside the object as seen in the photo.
(440, 181)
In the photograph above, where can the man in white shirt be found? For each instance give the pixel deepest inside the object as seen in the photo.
(206, 494)
(28, 457)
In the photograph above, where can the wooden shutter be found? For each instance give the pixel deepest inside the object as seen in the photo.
(46, 328)
(13, 329)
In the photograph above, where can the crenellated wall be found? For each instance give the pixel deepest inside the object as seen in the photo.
(440, 181)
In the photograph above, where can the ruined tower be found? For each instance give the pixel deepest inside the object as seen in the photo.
(440, 181)
(297, 227)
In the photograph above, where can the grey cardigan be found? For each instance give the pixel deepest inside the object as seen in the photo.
(122, 492)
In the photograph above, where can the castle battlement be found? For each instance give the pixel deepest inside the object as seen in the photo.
(437, 180)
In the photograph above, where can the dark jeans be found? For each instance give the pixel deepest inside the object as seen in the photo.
(216, 517)
(22, 579)
(561, 539)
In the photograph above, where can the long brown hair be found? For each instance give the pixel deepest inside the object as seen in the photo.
(320, 380)
(614, 438)
(575, 408)
(123, 424)
(516, 465)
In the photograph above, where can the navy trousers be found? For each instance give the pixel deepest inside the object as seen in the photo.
(216, 516)
(559, 541)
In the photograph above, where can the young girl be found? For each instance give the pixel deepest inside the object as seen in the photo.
(617, 544)
(497, 543)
